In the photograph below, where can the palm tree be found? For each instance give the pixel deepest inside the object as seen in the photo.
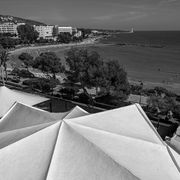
(4, 57)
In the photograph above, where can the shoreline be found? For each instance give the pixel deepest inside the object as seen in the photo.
(89, 41)
(172, 87)
(145, 73)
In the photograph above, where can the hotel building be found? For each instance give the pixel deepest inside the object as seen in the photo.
(65, 29)
(45, 32)
(9, 27)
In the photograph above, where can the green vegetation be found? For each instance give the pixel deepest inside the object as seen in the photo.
(42, 84)
(27, 33)
(22, 73)
(27, 59)
(4, 57)
(48, 63)
(64, 38)
(85, 32)
(116, 82)
(161, 104)
(89, 70)
(67, 38)
(8, 42)
(67, 93)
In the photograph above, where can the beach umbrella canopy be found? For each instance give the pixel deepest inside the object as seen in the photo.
(116, 144)
(8, 97)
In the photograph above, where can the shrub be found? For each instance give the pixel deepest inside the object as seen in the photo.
(42, 84)
(83, 98)
(14, 79)
(22, 73)
(136, 89)
(163, 105)
(159, 91)
(67, 93)
(176, 112)
(111, 100)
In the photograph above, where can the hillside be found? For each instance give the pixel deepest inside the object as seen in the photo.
(8, 18)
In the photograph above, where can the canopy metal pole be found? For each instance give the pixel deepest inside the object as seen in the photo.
(2, 75)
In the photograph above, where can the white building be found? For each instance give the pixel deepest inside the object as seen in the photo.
(73, 31)
(9, 27)
(65, 29)
(45, 32)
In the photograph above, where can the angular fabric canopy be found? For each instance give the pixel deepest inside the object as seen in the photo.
(119, 144)
(22, 120)
(8, 97)
(174, 142)
(76, 112)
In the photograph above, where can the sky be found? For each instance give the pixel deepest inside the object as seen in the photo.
(106, 14)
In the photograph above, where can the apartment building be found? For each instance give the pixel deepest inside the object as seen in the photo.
(8, 28)
(65, 29)
(45, 32)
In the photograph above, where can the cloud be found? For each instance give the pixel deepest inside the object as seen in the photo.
(123, 16)
(133, 16)
(168, 1)
(50, 16)
(105, 17)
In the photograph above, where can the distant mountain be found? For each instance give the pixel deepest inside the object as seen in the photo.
(8, 18)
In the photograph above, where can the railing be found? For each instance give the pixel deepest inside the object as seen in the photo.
(55, 104)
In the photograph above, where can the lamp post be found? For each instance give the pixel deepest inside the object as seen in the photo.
(2, 74)
(158, 112)
(141, 85)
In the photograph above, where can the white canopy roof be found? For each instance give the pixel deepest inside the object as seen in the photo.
(8, 97)
(174, 142)
(22, 120)
(116, 144)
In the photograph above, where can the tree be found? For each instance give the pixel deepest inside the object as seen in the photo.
(4, 57)
(27, 59)
(85, 32)
(64, 37)
(116, 82)
(80, 63)
(42, 40)
(82, 68)
(48, 62)
(163, 104)
(88, 69)
(27, 33)
(77, 39)
(42, 84)
(95, 72)
(161, 91)
(177, 111)
(7, 42)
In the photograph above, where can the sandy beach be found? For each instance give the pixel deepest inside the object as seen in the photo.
(35, 51)
(33, 47)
